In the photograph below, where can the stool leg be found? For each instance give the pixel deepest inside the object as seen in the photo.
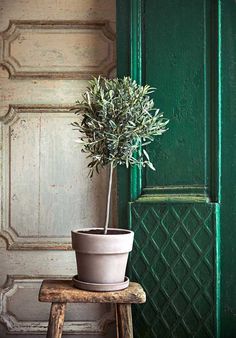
(56, 320)
(124, 321)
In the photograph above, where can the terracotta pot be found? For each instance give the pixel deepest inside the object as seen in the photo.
(102, 259)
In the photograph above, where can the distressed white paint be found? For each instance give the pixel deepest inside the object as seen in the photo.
(37, 91)
(43, 163)
(56, 10)
(44, 186)
(58, 49)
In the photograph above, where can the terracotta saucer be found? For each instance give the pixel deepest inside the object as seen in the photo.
(99, 287)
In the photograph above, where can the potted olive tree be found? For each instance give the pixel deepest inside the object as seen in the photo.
(116, 119)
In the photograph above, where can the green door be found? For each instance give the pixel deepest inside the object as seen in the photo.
(184, 214)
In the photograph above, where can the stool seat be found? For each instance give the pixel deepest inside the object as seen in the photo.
(63, 291)
(60, 292)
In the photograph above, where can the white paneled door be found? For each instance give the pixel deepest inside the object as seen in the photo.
(48, 51)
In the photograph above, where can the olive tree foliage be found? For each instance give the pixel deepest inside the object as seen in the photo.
(116, 119)
(118, 116)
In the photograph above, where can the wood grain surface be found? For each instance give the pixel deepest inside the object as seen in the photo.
(124, 321)
(63, 291)
(56, 320)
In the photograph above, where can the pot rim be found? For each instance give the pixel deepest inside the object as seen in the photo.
(84, 232)
(91, 243)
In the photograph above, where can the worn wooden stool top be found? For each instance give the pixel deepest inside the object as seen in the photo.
(63, 291)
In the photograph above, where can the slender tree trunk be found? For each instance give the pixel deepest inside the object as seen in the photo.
(108, 199)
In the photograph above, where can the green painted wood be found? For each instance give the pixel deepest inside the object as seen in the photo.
(123, 69)
(176, 54)
(174, 260)
(195, 124)
(185, 72)
(180, 54)
(136, 27)
(228, 178)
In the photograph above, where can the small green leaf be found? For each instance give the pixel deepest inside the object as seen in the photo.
(151, 166)
(146, 154)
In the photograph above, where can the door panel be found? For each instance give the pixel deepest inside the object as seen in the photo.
(36, 142)
(174, 259)
(49, 49)
(180, 70)
(175, 211)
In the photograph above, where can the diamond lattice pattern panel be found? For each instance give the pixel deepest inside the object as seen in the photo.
(174, 259)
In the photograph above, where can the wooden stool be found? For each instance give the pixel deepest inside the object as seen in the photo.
(60, 292)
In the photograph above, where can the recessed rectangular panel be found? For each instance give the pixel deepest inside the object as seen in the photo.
(174, 258)
(177, 63)
(47, 189)
(58, 49)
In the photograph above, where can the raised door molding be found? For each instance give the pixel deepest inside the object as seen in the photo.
(58, 49)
